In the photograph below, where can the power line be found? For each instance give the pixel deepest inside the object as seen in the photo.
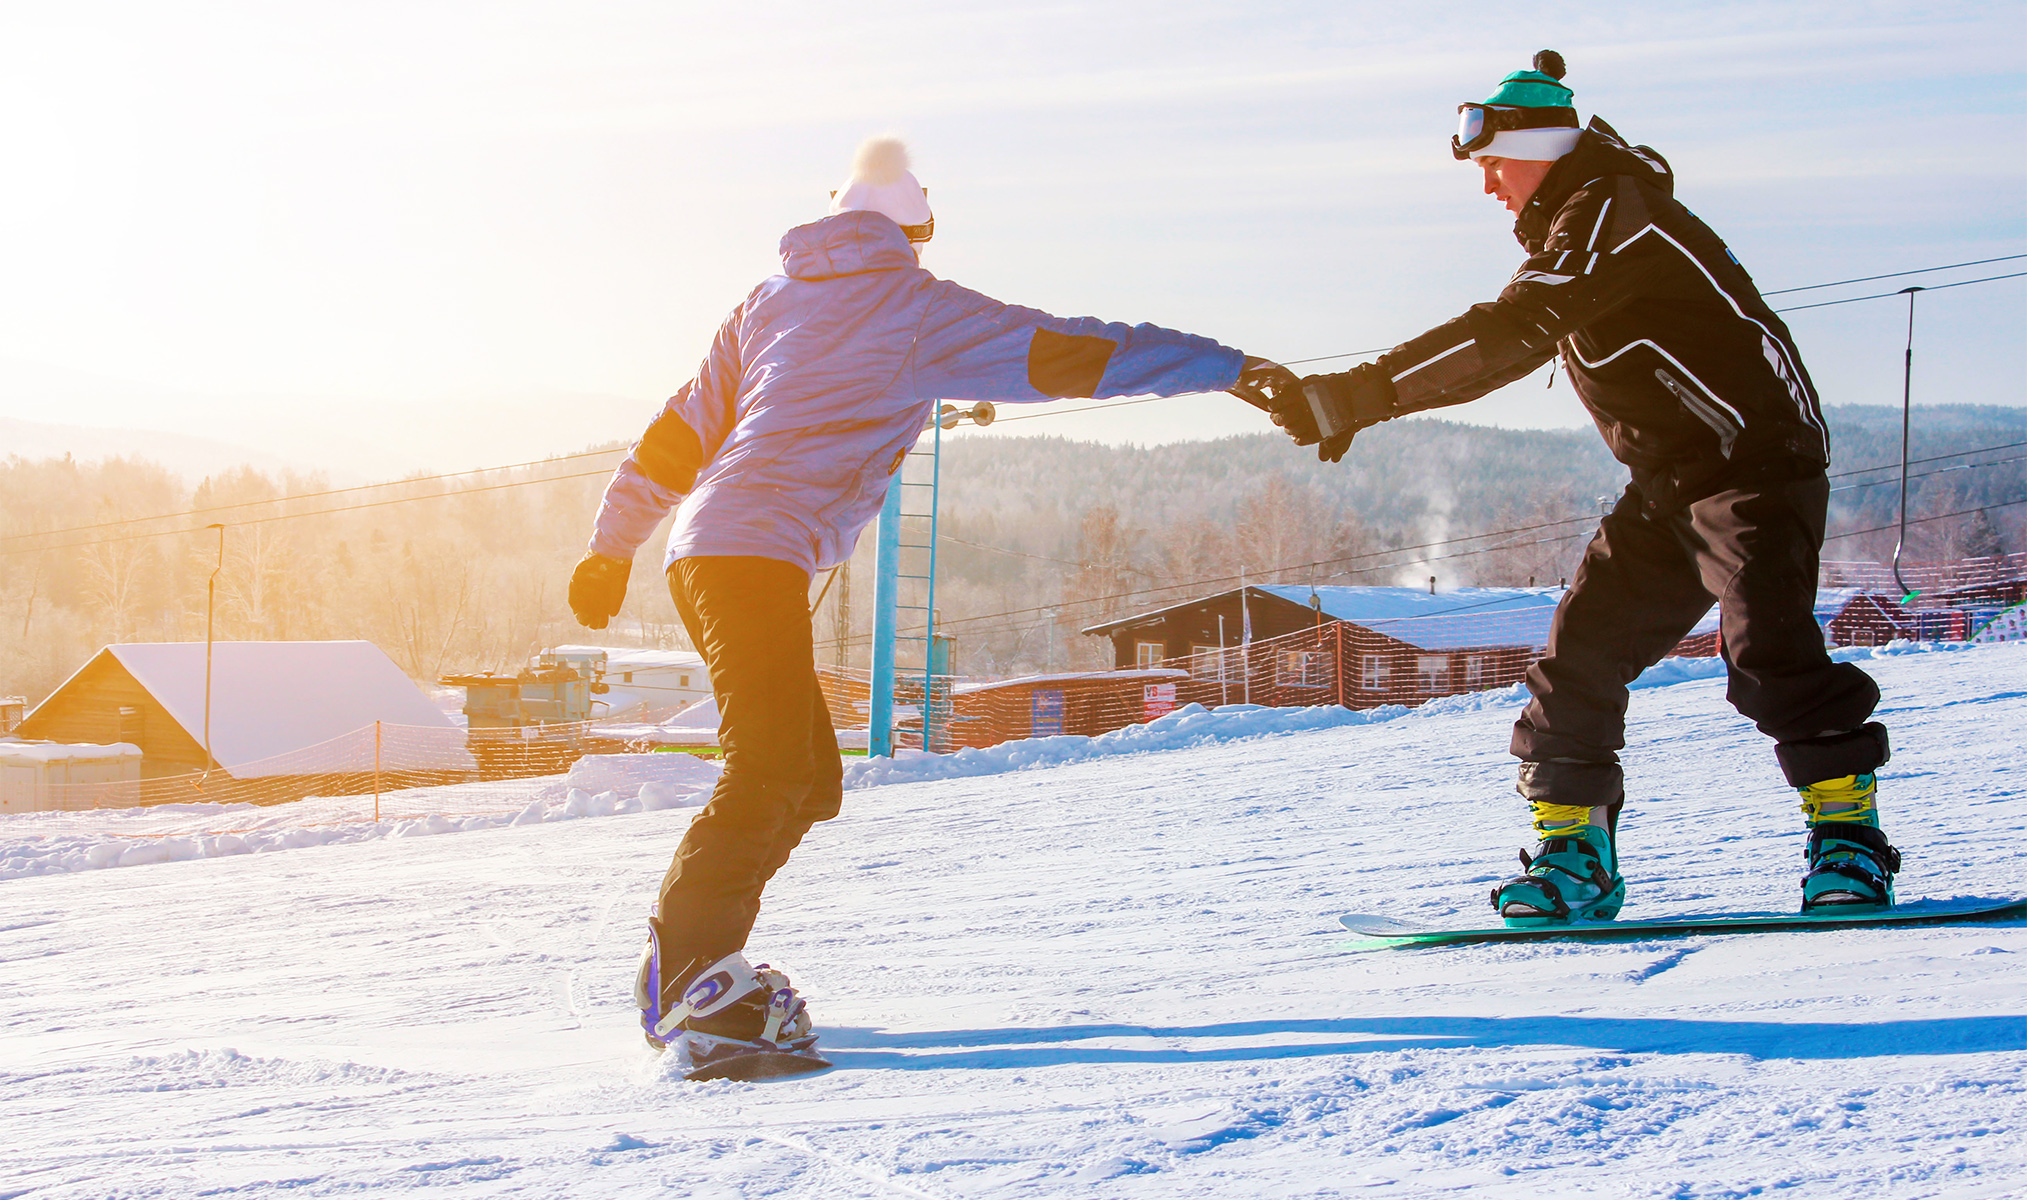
(1997, 462)
(1296, 362)
(344, 491)
(1962, 512)
(1891, 464)
(1933, 287)
(1894, 275)
(1071, 412)
(321, 512)
(1437, 558)
(1586, 519)
(944, 537)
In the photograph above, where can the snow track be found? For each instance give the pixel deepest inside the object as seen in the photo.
(1119, 975)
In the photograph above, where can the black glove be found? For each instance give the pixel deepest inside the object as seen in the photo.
(1342, 404)
(1268, 386)
(598, 588)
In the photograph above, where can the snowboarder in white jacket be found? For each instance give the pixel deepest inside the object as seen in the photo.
(1699, 389)
(775, 457)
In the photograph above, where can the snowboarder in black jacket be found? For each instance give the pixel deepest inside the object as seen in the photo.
(1698, 388)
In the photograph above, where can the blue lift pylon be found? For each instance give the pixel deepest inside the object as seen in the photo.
(912, 498)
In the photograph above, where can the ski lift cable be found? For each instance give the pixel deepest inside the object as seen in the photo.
(343, 491)
(1933, 287)
(1997, 462)
(1432, 558)
(291, 516)
(1296, 362)
(318, 512)
(208, 510)
(1586, 519)
(1979, 262)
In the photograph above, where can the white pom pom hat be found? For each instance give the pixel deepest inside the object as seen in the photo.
(882, 183)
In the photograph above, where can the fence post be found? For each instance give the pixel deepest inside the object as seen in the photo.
(1337, 660)
(376, 772)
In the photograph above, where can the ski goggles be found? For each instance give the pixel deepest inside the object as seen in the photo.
(1478, 124)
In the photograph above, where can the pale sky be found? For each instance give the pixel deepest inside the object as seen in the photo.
(381, 236)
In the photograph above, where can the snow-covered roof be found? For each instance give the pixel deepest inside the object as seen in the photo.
(1140, 673)
(1454, 620)
(701, 715)
(620, 658)
(272, 701)
(16, 752)
(1468, 617)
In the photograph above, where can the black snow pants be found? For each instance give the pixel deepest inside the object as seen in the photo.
(749, 618)
(1646, 579)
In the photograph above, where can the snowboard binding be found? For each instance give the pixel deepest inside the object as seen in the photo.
(1851, 864)
(1573, 874)
(730, 1020)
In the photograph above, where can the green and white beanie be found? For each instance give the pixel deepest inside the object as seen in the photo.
(1550, 110)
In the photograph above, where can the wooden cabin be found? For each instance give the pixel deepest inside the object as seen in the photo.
(294, 717)
(1356, 646)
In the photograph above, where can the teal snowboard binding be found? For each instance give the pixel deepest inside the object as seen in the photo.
(1573, 874)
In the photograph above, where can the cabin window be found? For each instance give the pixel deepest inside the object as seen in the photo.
(1432, 671)
(1474, 671)
(686, 681)
(1148, 654)
(1299, 668)
(1372, 672)
(627, 677)
(133, 723)
(1207, 662)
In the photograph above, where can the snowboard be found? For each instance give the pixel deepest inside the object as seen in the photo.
(1379, 931)
(754, 1065)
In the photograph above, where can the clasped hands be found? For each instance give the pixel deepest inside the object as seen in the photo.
(1323, 411)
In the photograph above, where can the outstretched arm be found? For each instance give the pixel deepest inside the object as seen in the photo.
(1593, 263)
(972, 347)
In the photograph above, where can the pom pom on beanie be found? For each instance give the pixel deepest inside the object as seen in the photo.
(881, 182)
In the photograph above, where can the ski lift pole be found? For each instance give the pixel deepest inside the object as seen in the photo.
(1906, 420)
(886, 600)
(929, 604)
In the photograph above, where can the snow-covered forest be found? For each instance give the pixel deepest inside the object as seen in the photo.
(1040, 537)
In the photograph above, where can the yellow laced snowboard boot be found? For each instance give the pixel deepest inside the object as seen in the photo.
(1851, 865)
(1573, 874)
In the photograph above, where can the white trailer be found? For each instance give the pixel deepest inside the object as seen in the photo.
(41, 776)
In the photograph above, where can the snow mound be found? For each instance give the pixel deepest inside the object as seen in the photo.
(618, 784)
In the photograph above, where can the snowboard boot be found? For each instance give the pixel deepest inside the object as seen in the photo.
(1573, 874)
(1851, 865)
(717, 1010)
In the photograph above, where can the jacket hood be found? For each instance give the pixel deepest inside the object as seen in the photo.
(1600, 152)
(848, 243)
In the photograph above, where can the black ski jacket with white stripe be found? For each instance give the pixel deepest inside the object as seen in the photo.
(1693, 380)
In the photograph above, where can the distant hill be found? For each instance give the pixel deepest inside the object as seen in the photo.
(193, 458)
(1406, 480)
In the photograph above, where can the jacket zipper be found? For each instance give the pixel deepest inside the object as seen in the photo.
(1726, 429)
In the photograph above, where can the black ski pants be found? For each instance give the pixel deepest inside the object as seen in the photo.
(749, 617)
(1646, 579)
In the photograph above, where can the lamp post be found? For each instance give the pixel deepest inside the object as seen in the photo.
(210, 612)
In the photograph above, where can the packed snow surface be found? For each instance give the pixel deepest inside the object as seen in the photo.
(1078, 968)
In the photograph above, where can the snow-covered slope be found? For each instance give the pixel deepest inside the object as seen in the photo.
(1114, 975)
